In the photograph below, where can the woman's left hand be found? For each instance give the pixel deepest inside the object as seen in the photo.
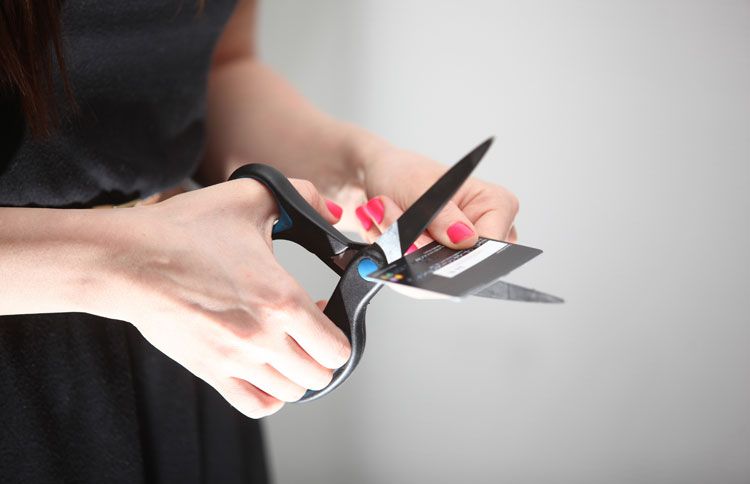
(395, 179)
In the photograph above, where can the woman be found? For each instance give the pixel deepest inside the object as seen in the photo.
(105, 103)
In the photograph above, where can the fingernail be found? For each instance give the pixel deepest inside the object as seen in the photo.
(411, 249)
(459, 231)
(363, 218)
(334, 208)
(376, 209)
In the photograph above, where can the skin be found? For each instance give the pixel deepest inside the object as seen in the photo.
(196, 273)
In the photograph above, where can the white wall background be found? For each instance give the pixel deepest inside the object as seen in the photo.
(624, 128)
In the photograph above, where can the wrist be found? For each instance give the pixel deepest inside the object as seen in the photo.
(91, 242)
(55, 258)
(108, 240)
(363, 150)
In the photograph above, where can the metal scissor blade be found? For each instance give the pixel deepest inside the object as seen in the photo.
(340, 262)
(511, 292)
(403, 232)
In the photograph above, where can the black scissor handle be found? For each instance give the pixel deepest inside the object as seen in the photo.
(299, 222)
(346, 308)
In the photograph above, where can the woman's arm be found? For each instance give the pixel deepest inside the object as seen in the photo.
(256, 116)
(52, 260)
(195, 274)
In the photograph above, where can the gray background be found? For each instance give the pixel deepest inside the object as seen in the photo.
(624, 128)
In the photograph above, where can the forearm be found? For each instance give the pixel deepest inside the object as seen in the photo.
(255, 116)
(50, 260)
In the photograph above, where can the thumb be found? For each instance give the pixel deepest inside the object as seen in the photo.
(452, 228)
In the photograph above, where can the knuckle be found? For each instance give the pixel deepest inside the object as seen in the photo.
(512, 235)
(242, 332)
(272, 407)
(286, 294)
(278, 307)
(296, 394)
(241, 398)
(498, 196)
(341, 350)
(231, 358)
(261, 408)
(323, 379)
(513, 203)
(230, 338)
(252, 411)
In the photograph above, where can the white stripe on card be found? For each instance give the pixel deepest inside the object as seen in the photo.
(471, 259)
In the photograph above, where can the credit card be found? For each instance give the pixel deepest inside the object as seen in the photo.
(455, 273)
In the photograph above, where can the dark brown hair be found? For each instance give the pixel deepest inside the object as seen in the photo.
(30, 51)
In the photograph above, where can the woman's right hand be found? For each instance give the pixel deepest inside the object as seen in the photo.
(197, 276)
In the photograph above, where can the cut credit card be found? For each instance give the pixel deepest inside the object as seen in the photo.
(456, 273)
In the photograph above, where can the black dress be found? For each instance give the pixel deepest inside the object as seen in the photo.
(82, 398)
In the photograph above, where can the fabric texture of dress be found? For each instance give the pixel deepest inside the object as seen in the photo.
(82, 398)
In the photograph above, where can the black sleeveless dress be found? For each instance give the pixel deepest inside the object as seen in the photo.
(85, 399)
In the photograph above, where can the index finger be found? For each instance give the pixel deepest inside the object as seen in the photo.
(496, 224)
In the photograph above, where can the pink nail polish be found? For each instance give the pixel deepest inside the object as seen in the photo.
(376, 209)
(364, 219)
(458, 232)
(334, 208)
(411, 249)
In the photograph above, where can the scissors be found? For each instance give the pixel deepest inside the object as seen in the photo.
(299, 222)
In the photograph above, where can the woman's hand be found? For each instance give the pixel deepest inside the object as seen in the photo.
(197, 276)
(394, 179)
